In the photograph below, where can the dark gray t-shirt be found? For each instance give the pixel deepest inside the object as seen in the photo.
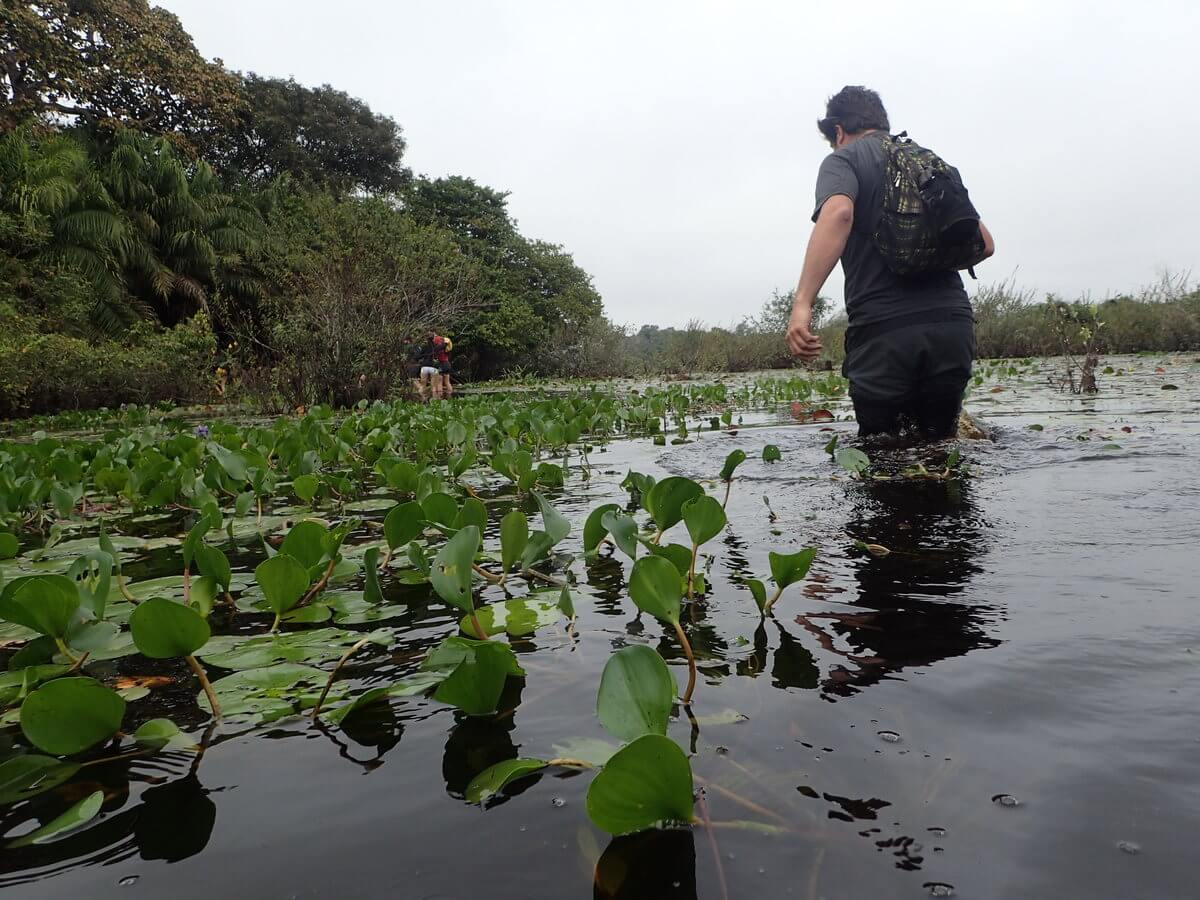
(873, 291)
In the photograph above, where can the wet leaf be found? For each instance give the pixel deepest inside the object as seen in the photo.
(759, 591)
(514, 535)
(665, 500)
(372, 592)
(473, 512)
(492, 780)
(79, 814)
(732, 461)
(770, 453)
(160, 733)
(45, 603)
(788, 568)
(554, 523)
(656, 588)
(305, 487)
(451, 574)
(163, 629)
(593, 529)
(852, 460)
(645, 783)
(624, 531)
(478, 679)
(68, 715)
(518, 617)
(636, 693)
(403, 523)
(592, 750)
(8, 545)
(305, 543)
(283, 580)
(704, 518)
(440, 508)
(22, 777)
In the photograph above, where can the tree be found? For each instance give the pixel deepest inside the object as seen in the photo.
(154, 237)
(111, 63)
(532, 297)
(777, 310)
(318, 136)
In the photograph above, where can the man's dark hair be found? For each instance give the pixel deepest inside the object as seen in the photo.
(856, 109)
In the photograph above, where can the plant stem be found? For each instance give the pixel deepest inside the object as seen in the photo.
(771, 602)
(728, 485)
(62, 648)
(125, 590)
(570, 763)
(319, 586)
(479, 632)
(332, 675)
(275, 624)
(78, 663)
(204, 683)
(549, 579)
(491, 579)
(692, 570)
(687, 649)
(387, 558)
(187, 586)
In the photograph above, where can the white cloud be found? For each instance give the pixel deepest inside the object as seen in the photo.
(671, 147)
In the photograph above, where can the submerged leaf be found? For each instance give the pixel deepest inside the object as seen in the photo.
(492, 780)
(645, 783)
(79, 814)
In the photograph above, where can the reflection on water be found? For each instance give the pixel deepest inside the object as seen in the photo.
(648, 866)
(909, 612)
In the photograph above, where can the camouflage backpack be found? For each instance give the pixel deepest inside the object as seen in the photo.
(928, 223)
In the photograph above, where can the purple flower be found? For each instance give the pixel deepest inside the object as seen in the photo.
(201, 431)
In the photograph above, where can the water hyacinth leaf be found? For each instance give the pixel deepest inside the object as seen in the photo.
(759, 591)
(788, 568)
(473, 512)
(440, 508)
(492, 780)
(645, 783)
(164, 629)
(30, 774)
(593, 529)
(45, 603)
(269, 693)
(704, 518)
(657, 588)
(665, 500)
(477, 681)
(554, 523)
(9, 546)
(624, 531)
(514, 536)
(451, 574)
(732, 461)
(311, 614)
(233, 463)
(372, 592)
(159, 733)
(416, 556)
(283, 581)
(78, 815)
(852, 460)
(679, 555)
(243, 504)
(518, 617)
(831, 445)
(403, 523)
(213, 562)
(305, 487)
(770, 453)
(565, 604)
(305, 543)
(68, 715)
(636, 693)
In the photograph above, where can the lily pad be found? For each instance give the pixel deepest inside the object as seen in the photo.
(68, 715)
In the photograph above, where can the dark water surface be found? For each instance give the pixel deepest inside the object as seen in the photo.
(1003, 706)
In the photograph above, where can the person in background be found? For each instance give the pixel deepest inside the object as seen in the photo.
(430, 375)
(444, 366)
(911, 338)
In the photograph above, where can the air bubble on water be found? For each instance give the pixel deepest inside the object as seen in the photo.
(128, 880)
(558, 802)
(939, 889)
(937, 830)
(1129, 847)
(1006, 800)
(891, 737)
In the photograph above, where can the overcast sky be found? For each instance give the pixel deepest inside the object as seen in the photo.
(671, 146)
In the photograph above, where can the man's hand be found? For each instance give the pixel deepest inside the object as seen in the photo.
(800, 339)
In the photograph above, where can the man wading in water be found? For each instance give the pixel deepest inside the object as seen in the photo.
(901, 223)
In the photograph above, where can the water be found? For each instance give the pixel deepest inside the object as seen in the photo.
(1033, 633)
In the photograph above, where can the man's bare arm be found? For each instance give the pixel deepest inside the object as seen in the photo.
(989, 247)
(825, 247)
